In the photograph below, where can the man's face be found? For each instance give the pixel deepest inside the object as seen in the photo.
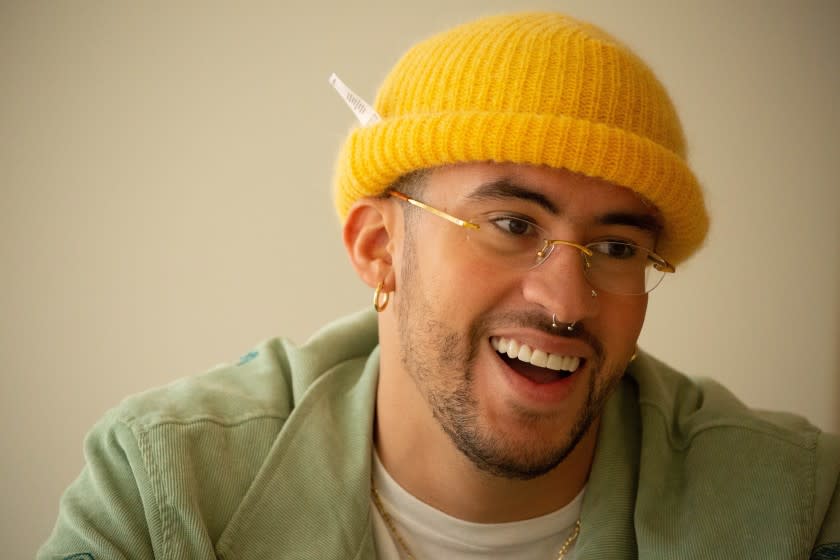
(454, 304)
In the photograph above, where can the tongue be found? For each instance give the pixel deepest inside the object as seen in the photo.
(535, 373)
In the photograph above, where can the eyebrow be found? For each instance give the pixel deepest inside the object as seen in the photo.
(505, 188)
(644, 222)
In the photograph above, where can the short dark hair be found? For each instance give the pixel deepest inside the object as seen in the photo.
(412, 184)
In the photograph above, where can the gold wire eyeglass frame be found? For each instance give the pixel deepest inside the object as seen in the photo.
(659, 263)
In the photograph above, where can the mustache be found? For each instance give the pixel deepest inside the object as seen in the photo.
(540, 322)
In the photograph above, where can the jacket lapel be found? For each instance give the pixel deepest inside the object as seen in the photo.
(311, 498)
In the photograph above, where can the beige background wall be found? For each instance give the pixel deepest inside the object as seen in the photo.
(165, 198)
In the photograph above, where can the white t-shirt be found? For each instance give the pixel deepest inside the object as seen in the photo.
(432, 534)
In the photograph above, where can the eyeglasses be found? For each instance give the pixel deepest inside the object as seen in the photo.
(513, 241)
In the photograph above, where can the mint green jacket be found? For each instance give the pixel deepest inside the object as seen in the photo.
(271, 458)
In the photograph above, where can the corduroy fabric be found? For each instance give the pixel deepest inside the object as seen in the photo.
(539, 89)
(271, 459)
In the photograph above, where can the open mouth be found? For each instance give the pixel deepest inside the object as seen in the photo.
(534, 364)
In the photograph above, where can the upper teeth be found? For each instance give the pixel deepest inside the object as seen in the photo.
(526, 354)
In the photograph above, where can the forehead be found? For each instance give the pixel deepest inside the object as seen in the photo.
(558, 191)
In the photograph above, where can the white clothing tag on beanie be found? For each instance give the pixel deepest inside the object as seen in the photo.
(361, 108)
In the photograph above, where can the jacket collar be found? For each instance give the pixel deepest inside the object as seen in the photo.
(313, 492)
(607, 530)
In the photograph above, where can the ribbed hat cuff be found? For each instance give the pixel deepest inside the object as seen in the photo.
(374, 157)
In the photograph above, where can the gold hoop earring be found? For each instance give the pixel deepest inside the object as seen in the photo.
(380, 298)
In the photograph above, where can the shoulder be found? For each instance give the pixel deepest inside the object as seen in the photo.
(266, 382)
(186, 455)
(691, 406)
(697, 436)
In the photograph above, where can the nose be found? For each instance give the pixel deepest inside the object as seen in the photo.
(559, 285)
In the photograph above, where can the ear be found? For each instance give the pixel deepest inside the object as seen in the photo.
(368, 238)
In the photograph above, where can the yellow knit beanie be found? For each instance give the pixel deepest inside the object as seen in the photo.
(536, 88)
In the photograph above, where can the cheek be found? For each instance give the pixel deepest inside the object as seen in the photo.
(453, 276)
(622, 321)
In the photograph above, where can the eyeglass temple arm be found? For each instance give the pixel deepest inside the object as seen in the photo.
(435, 211)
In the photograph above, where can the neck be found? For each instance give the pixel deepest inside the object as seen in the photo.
(421, 457)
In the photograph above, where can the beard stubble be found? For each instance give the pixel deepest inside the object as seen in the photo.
(441, 363)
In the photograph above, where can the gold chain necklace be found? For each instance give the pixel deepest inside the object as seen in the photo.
(392, 528)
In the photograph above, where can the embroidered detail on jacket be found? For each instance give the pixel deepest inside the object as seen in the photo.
(830, 551)
(247, 357)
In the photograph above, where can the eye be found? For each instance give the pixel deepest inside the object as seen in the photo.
(614, 249)
(513, 225)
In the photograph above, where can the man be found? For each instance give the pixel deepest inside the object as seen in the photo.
(523, 190)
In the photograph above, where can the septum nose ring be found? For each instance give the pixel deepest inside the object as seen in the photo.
(570, 327)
